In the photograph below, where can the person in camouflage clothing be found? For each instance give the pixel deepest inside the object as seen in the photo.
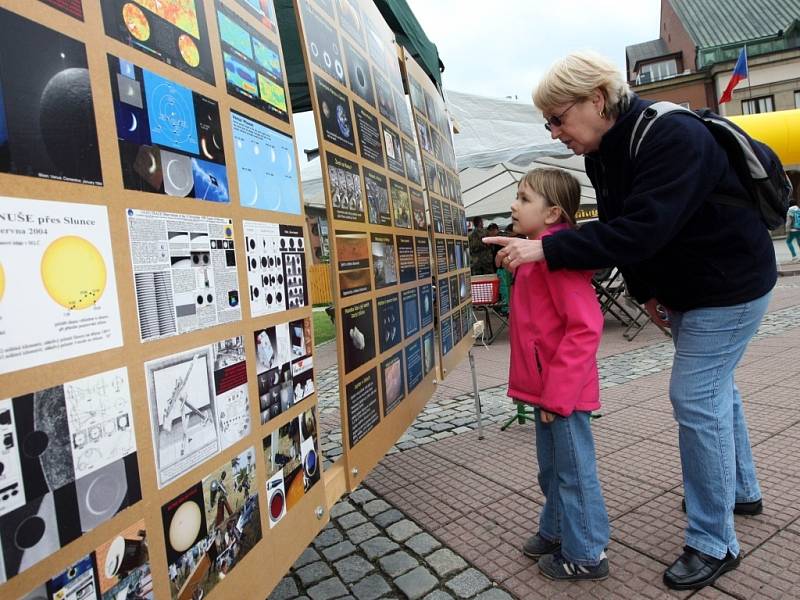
(481, 261)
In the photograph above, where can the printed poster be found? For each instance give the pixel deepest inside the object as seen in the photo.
(58, 290)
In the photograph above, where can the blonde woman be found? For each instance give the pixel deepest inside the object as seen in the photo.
(703, 268)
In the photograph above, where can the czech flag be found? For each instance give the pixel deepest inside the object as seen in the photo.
(739, 73)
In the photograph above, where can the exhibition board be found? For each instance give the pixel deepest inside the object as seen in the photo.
(158, 408)
(450, 251)
(380, 248)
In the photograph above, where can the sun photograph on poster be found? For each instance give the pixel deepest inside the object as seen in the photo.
(172, 31)
(211, 526)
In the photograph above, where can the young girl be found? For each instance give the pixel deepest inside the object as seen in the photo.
(556, 326)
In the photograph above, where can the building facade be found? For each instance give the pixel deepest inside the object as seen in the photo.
(692, 60)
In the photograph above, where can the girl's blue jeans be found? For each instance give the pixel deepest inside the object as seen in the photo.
(716, 459)
(574, 511)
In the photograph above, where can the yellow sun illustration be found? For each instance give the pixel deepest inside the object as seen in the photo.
(73, 272)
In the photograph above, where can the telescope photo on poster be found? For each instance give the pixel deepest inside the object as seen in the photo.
(198, 405)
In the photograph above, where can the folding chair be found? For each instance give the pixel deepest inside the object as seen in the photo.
(486, 298)
(610, 289)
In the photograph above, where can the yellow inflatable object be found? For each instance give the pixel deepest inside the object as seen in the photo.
(779, 130)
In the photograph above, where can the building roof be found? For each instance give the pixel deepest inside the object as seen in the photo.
(645, 51)
(720, 22)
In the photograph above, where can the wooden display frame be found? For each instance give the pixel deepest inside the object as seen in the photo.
(449, 199)
(316, 20)
(262, 568)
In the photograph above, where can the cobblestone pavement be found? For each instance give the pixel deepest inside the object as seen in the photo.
(445, 514)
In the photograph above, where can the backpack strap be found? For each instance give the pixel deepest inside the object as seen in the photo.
(646, 120)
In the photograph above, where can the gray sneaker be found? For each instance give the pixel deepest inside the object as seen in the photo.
(536, 546)
(554, 566)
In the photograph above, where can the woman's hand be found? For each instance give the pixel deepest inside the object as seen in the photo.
(515, 251)
(546, 417)
(658, 313)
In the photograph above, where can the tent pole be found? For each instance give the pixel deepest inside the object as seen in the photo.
(476, 394)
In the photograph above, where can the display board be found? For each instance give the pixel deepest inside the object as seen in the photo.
(381, 254)
(158, 409)
(451, 273)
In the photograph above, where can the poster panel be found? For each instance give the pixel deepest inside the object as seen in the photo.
(184, 270)
(170, 137)
(372, 177)
(69, 464)
(55, 263)
(47, 119)
(437, 169)
(100, 102)
(199, 405)
(172, 31)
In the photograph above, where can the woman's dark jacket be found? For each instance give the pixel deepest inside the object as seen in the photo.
(657, 224)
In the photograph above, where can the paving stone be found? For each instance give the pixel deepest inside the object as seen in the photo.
(378, 546)
(387, 518)
(341, 508)
(423, 543)
(397, 563)
(351, 520)
(362, 533)
(438, 595)
(494, 594)
(287, 588)
(402, 530)
(371, 587)
(445, 561)
(353, 568)
(309, 555)
(361, 496)
(468, 584)
(416, 583)
(340, 550)
(330, 588)
(374, 507)
(328, 537)
(313, 573)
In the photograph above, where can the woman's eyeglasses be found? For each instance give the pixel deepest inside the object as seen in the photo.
(555, 120)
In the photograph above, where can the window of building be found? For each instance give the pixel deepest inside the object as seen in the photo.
(657, 71)
(758, 105)
(797, 99)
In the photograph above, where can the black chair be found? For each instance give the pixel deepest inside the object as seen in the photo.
(614, 299)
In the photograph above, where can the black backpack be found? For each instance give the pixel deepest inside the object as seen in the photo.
(758, 167)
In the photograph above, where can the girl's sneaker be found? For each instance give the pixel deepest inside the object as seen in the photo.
(555, 566)
(536, 547)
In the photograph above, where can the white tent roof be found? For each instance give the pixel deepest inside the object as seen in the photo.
(493, 131)
(488, 192)
(311, 176)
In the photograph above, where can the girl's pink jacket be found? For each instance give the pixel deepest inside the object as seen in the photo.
(556, 325)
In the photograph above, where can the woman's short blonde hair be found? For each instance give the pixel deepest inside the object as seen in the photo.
(576, 76)
(558, 188)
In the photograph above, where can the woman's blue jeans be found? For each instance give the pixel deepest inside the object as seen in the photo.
(716, 459)
(574, 511)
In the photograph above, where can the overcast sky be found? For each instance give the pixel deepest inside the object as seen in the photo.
(502, 47)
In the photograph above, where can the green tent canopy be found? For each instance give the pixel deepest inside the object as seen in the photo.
(400, 19)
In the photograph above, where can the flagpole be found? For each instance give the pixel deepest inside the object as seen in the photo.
(749, 87)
